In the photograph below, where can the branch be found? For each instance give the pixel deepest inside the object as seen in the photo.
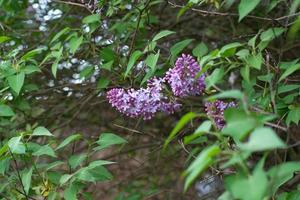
(18, 173)
(73, 3)
(205, 12)
(137, 27)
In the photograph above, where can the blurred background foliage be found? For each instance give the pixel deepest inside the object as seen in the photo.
(60, 139)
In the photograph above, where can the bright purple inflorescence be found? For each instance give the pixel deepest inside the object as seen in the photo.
(216, 109)
(182, 77)
(143, 102)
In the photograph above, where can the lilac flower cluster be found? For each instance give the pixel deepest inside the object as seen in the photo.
(143, 102)
(147, 101)
(182, 77)
(216, 109)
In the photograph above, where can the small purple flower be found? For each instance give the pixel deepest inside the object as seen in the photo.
(144, 102)
(182, 77)
(216, 109)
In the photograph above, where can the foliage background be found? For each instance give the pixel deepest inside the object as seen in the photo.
(58, 58)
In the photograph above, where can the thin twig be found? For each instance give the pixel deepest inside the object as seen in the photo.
(73, 3)
(18, 173)
(205, 12)
(141, 11)
(133, 130)
(277, 126)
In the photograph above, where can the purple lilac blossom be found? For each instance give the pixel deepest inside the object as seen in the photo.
(143, 102)
(216, 109)
(182, 77)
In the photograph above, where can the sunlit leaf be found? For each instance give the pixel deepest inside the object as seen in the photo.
(41, 131)
(16, 82)
(6, 111)
(16, 145)
(258, 138)
(68, 140)
(162, 34)
(246, 6)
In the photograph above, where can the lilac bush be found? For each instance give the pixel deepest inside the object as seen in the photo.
(216, 109)
(182, 77)
(144, 102)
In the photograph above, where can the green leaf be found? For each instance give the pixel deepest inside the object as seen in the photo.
(225, 196)
(148, 75)
(196, 136)
(107, 54)
(287, 88)
(133, 58)
(229, 49)
(202, 161)
(266, 78)
(238, 118)
(91, 19)
(271, 33)
(289, 71)
(16, 82)
(54, 177)
(6, 111)
(71, 192)
(53, 164)
(41, 131)
(254, 61)
(184, 9)
(103, 83)
(285, 65)
(246, 6)
(54, 68)
(29, 69)
(4, 165)
(162, 34)
(238, 158)
(251, 187)
(31, 54)
(243, 53)
(281, 174)
(294, 115)
(26, 179)
(76, 160)
(97, 163)
(45, 150)
(151, 61)
(57, 55)
(87, 72)
(75, 43)
(16, 145)
(60, 33)
(93, 174)
(214, 78)
(200, 50)
(65, 178)
(68, 140)
(178, 47)
(107, 65)
(258, 138)
(4, 39)
(150, 47)
(3, 149)
(182, 122)
(267, 36)
(204, 127)
(234, 94)
(108, 139)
